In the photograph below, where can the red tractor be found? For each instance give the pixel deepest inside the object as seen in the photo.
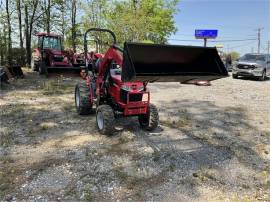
(116, 83)
(50, 54)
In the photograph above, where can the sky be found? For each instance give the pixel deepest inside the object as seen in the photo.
(234, 20)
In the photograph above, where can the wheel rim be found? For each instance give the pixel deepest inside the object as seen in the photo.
(100, 120)
(77, 98)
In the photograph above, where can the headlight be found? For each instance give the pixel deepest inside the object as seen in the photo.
(258, 66)
(126, 88)
(141, 88)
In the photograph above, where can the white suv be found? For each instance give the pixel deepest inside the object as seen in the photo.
(252, 65)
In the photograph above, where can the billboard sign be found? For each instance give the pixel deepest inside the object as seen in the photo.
(206, 33)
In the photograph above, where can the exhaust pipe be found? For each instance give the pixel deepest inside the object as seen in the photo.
(171, 63)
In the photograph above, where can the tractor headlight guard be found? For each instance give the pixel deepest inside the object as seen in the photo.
(126, 88)
(141, 88)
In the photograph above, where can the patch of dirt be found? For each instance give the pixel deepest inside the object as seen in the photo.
(212, 144)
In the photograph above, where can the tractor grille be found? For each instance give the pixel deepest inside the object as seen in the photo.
(58, 58)
(80, 61)
(132, 97)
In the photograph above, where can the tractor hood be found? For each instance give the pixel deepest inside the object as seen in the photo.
(171, 63)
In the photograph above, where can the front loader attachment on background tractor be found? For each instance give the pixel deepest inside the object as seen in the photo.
(171, 63)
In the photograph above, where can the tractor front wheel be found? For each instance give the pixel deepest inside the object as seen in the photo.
(105, 119)
(150, 120)
(42, 68)
(82, 99)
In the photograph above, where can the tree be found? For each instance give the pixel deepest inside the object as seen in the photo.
(9, 48)
(143, 20)
(73, 24)
(234, 55)
(30, 8)
(19, 13)
(132, 20)
(3, 38)
(46, 9)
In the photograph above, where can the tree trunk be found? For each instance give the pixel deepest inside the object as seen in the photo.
(27, 45)
(73, 24)
(48, 16)
(22, 59)
(29, 21)
(63, 20)
(9, 54)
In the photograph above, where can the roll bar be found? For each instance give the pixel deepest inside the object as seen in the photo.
(97, 30)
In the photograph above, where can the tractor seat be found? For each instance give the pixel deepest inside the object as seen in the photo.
(115, 72)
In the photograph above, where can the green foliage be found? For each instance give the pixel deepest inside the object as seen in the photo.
(144, 20)
(149, 21)
(235, 55)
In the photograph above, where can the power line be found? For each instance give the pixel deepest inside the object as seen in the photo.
(233, 40)
(213, 41)
(247, 44)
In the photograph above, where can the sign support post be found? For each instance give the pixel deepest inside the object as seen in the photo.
(205, 41)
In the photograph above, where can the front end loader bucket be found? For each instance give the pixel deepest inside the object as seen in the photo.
(171, 63)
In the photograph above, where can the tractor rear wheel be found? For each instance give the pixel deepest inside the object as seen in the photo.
(105, 119)
(150, 120)
(42, 68)
(82, 99)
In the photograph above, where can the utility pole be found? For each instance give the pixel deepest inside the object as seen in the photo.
(259, 38)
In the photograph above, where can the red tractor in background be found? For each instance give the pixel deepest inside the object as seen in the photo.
(50, 54)
(116, 83)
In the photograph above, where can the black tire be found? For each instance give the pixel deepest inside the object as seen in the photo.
(105, 119)
(82, 102)
(234, 76)
(263, 77)
(150, 120)
(43, 69)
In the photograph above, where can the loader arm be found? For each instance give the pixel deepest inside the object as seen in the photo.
(113, 54)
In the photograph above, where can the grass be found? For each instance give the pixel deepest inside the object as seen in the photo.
(6, 136)
(130, 181)
(57, 86)
(46, 163)
(13, 111)
(205, 174)
(120, 148)
(48, 125)
(181, 121)
(266, 133)
(88, 195)
(9, 175)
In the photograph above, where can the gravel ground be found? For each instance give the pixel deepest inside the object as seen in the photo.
(212, 144)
